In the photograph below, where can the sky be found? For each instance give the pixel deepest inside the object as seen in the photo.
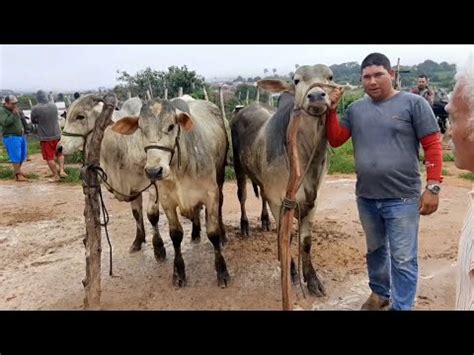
(81, 67)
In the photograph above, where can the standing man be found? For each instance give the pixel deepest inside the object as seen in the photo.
(12, 130)
(387, 127)
(45, 115)
(461, 116)
(423, 89)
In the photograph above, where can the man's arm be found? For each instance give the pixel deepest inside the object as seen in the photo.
(34, 116)
(6, 120)
(430, 97)
(337, 135)
(434, 164)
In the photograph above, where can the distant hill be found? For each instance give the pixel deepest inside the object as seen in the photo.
(441, 75)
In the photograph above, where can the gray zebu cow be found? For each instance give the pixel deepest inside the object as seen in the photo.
(121, 157)
(186, 147)
(259, 138)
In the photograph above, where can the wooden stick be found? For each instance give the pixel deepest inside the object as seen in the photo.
(92, 208)
(286, 222)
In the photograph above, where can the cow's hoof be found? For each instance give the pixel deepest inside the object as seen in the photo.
(179, 281)
(135, 247)
(244, 228)
(265, 222)
(223, 279)
(315, 286)
(266, 225)
(160, 254)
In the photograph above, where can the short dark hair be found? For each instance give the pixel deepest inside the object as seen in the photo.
(76, 95)
(378, 59)
(423, 76)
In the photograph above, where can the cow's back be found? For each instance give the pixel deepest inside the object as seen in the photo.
(207, 141)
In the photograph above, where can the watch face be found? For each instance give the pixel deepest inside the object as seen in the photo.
(434, 188)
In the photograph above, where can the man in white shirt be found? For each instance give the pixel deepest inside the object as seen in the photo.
(461, 116)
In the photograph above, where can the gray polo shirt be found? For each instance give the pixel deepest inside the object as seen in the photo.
(386, 138)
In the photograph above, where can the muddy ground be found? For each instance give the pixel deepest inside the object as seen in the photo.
(42, 258)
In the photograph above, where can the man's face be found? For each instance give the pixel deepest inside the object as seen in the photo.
(11, 105)
(422, 83)
(377, 82)
(462, 129)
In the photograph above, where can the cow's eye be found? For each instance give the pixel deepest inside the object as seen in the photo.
(330, 78)
(296, 81)
(80, 117)
(170, 128)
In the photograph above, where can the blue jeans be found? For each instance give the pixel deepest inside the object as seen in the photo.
(391, 230)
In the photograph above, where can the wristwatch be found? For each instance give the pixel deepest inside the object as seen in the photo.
(433, 188)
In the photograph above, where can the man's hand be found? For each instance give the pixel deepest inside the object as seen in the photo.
(428, 203)
(335, 96)
(16, 110)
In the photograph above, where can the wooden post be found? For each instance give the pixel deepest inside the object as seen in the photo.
(129, 94)
(205, 94)
(180, 91)
(92, 207)
(286, 222)
(397, 75)
(258, 95)
(31, 104)
(270, 99)
(166, 94)
(148, 95)
(149, 88)
(221, 96)
(247, 97)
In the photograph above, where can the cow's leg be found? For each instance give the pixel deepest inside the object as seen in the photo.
(312, 280)
(242, 195)
(176, 234)
(214, 233)
(265, 217)
(137, 210)
(153, 214)
(220, 184)
(196, 232)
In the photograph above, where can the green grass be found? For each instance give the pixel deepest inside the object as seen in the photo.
(445, 172)
(9, 174)
(73, 175)
(34, 147)
(448, 157)
(229, 173)
(467, 176)
(341, 160)
(76, 158)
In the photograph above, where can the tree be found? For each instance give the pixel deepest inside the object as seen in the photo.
(265, 71)
(274, 71)
(173, 79)
(24, 101)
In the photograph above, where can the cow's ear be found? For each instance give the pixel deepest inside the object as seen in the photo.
(276, 86)
(184, 120)
(126, 125)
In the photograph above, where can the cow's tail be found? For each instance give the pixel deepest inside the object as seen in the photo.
(255, 189)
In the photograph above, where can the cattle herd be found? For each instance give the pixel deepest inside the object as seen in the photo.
(181, 146)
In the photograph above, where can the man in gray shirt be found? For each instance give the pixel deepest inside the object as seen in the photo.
(387, 127)
(45, 115)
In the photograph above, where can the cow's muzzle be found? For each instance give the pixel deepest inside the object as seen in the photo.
(154, 173)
